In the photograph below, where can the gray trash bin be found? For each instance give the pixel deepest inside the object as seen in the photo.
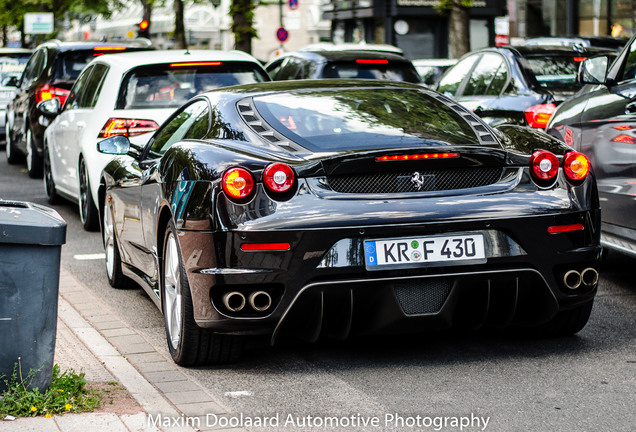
(31, 238)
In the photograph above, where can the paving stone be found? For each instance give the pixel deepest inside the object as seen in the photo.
(186, 397)
(201, 409)
(177, 386)
(165, 376)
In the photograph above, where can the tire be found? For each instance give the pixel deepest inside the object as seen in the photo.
(87, 209)
(12, 154)
(566, 323)
(116, 278)
(33, 159)
(49, 184)
(189, 344)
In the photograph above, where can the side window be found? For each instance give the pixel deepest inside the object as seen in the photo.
(499, 81)
(274, 69)
(449, 84)
(629, 69)
(483, 75)
(93, 86)
(77, 92)
(308, 69)
(291, 69)
(177, 128)
(34, 67)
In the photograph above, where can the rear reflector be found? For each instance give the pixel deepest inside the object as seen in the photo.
(254, 247)
(417, 156)
(196, 64)
(372, 61)
(565, 228)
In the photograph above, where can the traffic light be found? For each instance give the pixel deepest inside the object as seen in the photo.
(143, 29)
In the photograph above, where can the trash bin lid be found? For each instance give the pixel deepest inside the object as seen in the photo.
(29, 223)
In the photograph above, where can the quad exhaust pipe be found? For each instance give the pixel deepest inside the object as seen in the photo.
(259, 301)
(234, 301)
(573, 278)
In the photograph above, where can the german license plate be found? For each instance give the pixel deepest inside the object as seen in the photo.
(424, 251)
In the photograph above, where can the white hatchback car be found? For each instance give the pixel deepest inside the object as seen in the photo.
(126, 94)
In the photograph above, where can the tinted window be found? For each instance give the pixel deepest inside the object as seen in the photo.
(34, 67)
(449, 84)
(166, 86)
(354, 119)
(482, 76)
(274, 68)
(93, 86)
(391, 70)
(629, 70)
(75, 96)
(499, 80)
(70, 64)
(290, 70)
(178, 127)
(553, 72)
(12, 65)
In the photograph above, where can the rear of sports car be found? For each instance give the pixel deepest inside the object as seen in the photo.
(395, 211)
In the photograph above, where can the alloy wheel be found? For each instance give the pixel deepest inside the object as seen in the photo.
(29, 150)
(109, 242)
(83, 204)
(172, 291)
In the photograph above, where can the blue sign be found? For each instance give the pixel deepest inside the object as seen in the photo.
(293, 4)
(282, 34)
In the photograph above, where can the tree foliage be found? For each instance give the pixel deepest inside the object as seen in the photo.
(242, 12)
(458, 25)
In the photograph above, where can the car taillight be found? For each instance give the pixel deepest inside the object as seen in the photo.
(544, 166)
(372, 61)
(238, 183)
(47, 91)
(538, 116)
(278, 177)
(127, 127)
(576, 166)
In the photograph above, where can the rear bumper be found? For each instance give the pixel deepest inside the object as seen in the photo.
(321, 286)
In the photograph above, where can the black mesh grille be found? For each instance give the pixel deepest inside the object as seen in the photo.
(422, 296)
(415, 181)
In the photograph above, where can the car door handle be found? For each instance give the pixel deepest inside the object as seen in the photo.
(630, 108)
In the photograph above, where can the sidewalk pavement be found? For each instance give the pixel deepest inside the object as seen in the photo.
(91, 338)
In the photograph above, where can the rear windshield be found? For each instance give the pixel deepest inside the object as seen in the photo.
(71, 63)
(171, 85)
(363, 119)
(12, 65)
(554, 72)
(391, 70)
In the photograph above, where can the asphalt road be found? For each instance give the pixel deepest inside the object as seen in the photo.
(582, 383)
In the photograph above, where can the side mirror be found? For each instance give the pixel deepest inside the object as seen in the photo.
(11, 81)
(593, 70)
(49, 107)
(115, 145)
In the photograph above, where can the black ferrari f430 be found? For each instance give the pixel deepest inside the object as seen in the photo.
(346, 207)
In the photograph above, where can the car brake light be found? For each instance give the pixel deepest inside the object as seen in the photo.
(127, 127)
(579, 59)
(110, 48)
(46, 91)
(544, 165)
(576, 166)
(278, 177)
(627, 139)
(216, 63)
(238, 183)
(372, 61)
(538, 116)
(416, 156)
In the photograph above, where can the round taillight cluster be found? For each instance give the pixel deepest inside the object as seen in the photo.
(238, 183)
(278, 177)
(544, 167)
(576, 166)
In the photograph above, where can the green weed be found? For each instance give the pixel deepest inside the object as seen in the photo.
(67, 393)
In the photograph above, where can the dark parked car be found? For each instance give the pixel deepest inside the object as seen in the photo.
(50, 72)
(341, 207)
(346, 63)
(518, 85)
(600, 121)
(613, 43)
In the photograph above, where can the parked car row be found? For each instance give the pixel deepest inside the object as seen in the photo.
(320, 207)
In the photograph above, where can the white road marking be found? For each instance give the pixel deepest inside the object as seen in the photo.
(87, 257)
